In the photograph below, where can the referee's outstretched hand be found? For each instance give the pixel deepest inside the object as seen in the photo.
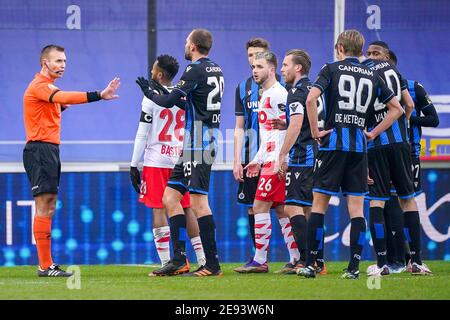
(145, 86)
(135, 179)
(109, 92)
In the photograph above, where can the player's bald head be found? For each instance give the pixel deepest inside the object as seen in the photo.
(202, 39)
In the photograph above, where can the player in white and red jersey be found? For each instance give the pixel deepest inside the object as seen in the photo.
(271, 187)
(160, 134)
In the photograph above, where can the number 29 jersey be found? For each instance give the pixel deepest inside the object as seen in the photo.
(202, 84)
(350, 90)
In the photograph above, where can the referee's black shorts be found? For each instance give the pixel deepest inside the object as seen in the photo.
(43, 167)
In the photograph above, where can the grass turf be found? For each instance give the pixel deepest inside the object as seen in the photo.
(131, 282)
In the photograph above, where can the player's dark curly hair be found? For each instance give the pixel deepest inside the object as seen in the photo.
(393, 57)
(169, 65)
(380, 44)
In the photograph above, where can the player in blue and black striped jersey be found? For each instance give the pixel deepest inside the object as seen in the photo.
(350, 91)
(424, 114)
(199, 92)
(390, 162)
(298, 152)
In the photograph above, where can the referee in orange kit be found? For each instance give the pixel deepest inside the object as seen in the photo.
(43, 103)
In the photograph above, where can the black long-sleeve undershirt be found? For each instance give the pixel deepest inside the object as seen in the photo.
(429, 119)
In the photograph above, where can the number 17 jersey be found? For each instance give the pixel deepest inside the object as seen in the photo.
(350, 90)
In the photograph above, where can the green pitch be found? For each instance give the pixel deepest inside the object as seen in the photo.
(131, 282)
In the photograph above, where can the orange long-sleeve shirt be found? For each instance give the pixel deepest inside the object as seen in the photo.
(42, 109)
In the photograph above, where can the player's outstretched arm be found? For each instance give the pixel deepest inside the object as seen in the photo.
(163, 100)
(109, 93)
(67, 98)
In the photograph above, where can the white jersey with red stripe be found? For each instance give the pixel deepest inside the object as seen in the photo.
(160, 133)
(272, 106)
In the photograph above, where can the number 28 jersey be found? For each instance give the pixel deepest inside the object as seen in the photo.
(162, 129)
(350, 90)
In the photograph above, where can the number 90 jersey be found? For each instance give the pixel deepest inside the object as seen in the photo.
(202, 84)
(350, 90)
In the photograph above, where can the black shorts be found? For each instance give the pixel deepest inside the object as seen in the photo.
(43, 167)
(388, 164)
(247, 190)
(192, 172)
(416, 171)
(343, 171)
(299, 185)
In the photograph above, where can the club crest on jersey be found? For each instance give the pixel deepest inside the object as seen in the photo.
(241, 196)
(293, 106)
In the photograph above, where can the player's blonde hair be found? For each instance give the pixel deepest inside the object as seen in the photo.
(269, 56)
(352, 41)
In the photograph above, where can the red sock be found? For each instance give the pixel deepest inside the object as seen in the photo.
(42, 230)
